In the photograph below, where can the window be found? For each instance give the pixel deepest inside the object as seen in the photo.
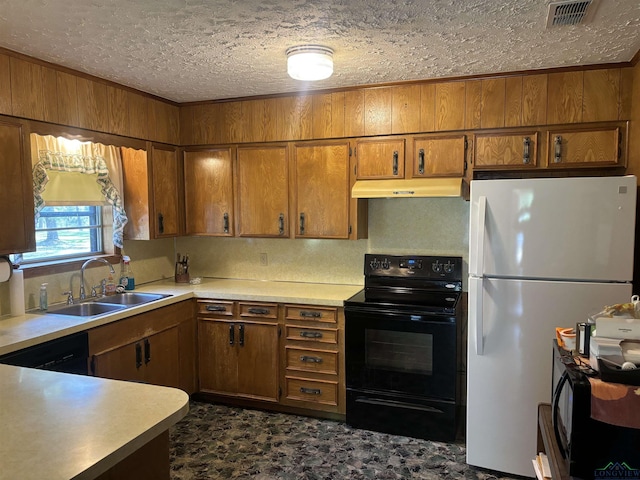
(66, 232)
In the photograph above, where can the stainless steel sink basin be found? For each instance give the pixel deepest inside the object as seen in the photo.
(103, 305)
(88, 309)
(130, 299)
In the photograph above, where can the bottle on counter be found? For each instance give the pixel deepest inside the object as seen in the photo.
(110, 287)
(126, 274)
(44, 298)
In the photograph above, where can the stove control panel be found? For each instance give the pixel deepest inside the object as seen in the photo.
(431, 267)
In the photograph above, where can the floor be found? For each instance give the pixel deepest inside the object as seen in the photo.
(220, 442)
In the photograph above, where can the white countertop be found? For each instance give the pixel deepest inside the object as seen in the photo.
(33, 328)
(63, 426)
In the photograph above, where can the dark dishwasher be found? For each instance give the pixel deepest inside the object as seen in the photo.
(67, 354)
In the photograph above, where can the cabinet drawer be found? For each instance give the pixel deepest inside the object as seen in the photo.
(307, 360)
(322, 335)
(215, 308)
(259, 311)
(312, 314)
(315, 391)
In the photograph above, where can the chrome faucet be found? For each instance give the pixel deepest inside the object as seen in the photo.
(84, 265)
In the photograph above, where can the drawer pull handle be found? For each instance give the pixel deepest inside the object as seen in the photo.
(259, 311)
(147, 351)
(557, 157)
(241, 332)
(304, 313)
(421, 161)
(310, 359)
(138, 355)
(215, 308)
(225, 223)
(395, 162)
(526, 154)
(305, 334)
(311, 391)
(231, 335)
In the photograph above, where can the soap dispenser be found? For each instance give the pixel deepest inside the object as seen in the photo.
(44, 300)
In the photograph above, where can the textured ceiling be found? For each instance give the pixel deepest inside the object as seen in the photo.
(190, 50)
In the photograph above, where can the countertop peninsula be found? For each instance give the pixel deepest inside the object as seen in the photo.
(64, 426)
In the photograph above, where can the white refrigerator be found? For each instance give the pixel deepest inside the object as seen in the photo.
(543, 253)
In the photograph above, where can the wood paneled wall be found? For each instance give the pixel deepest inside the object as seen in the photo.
(36, 91)
(597, 95)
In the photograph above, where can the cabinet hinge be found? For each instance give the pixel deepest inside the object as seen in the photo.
(350, 230)
(279, 331)
(465, 166)
(350, 151)
(279, 392)
(466, 144)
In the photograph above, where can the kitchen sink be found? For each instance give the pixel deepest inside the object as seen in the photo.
(102, 305)
(130, 299)
(88, 309)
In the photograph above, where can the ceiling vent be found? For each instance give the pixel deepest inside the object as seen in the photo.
(571, 12)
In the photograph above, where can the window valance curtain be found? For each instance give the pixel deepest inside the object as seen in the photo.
(63, 155)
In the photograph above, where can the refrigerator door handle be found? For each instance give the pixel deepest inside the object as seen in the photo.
(478, 267)
(476, 313)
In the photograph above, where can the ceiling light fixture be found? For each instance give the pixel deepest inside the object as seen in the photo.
(309, 62)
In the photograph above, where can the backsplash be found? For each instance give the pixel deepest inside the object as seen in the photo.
(399, 226)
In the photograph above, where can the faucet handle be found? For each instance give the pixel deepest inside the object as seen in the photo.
(69, 297)
(94, 292)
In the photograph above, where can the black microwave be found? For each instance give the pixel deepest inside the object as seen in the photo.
(590, 449)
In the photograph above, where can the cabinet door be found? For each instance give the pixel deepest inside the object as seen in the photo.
(160, 357)
(166, 175)
(584, 148)
(218, 356)
(120, 363)
(17, 227)
(322, 190)
(439, 156)
(262, 186)
(379, 158)
(257, 360)
(208, 178)
(505, 151)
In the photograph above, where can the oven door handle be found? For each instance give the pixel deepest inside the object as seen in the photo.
(394, 403)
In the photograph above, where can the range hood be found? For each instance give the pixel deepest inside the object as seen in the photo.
(410, 188)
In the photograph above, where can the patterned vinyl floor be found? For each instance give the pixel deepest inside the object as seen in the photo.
(220, 442)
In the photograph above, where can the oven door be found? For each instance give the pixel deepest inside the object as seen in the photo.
(404, 352)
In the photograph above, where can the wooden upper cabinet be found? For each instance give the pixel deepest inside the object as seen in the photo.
(92, 105)
(534, 99)
(322, 190)
(499, 151)
(152, 192)
(564, 98)
(405, 109)
(450, 106)
(5, 85)
(259, 117)
(379, 158)
(439, 156)
(118, 111)
(167, 191)
(601, 99)
(17, 227)
(27, 89)
(208, 185)
(590, 147)
(377, 111)
(262, 186)
(493, 102)
(354, 113)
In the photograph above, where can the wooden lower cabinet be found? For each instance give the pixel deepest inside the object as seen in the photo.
(313, 360)
(238, 349)
(280, 356)
(156, 347)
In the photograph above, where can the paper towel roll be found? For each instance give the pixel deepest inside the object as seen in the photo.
(5, 269)
(16, 293)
